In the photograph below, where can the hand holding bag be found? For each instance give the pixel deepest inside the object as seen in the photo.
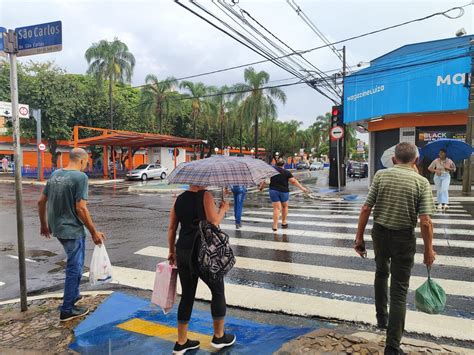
(164, 290)
(101, 269)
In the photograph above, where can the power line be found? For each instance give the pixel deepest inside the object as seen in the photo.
(217, 71)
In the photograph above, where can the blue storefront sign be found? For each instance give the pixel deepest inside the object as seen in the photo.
(2, 29)
(39, 39)
(417, 82)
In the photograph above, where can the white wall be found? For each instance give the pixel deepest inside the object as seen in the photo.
(166, 157)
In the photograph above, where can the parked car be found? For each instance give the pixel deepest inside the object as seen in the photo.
(317, 165)
(302, 166)
(147, 171)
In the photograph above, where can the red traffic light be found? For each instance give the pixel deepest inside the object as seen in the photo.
(335, 111)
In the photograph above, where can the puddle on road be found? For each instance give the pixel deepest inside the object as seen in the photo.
(39, 254)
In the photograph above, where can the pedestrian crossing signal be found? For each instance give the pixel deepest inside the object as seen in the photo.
(336, 116)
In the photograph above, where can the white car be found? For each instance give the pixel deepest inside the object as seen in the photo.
(147, 171)
(317, 165)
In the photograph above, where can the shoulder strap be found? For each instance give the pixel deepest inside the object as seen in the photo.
(200, 205)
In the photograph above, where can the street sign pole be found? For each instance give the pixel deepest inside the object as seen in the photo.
(11, 49)
(37, 116)
(338, 166)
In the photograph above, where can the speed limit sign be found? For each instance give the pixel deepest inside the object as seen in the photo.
(41, 147)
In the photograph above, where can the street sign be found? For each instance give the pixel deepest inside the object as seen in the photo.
(2, 45)
(337, 132)
(39, 39)
(42, 147)
(6, 110)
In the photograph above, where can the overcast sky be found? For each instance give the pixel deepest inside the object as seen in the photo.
(167, 40)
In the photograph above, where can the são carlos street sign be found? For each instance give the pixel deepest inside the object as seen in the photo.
(337, 132)
(39, 39)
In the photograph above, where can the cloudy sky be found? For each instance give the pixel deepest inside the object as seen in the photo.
(168, 40)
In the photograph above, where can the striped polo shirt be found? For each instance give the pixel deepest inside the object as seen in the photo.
(400, 195)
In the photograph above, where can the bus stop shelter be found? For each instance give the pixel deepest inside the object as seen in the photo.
(130, 140)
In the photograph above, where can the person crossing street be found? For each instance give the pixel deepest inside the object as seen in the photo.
(398, 195)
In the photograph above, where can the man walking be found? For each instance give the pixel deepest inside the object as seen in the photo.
(398, 195)
(63, 213)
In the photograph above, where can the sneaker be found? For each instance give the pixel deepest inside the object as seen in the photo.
(75, 313)
(445, 207)
(238, 226)
(223, 342)
(78, 299)
(189, 345)
(440, 206)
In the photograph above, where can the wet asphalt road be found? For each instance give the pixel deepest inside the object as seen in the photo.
(133, 222)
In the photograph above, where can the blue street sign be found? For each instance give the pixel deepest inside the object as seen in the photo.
(39, 39)
(2, 29)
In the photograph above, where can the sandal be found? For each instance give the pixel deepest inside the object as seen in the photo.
(274, 229)
(284, 226)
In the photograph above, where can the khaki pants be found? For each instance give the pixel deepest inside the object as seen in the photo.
(394, 256)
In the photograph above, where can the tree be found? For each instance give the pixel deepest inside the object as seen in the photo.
(155, 97)
(113, 62)
(196, 91)
(258, 96)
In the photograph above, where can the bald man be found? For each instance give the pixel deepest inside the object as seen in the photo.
(63, 213)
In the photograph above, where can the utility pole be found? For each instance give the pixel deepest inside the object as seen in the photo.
(11, 47)
(467, 175)
(342, 168)
(37, 117)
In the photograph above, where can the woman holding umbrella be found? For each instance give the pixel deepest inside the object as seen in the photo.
(442, 167)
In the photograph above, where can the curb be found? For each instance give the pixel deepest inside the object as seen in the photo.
(54, 295)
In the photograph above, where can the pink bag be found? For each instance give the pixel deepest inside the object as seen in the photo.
(164, 290)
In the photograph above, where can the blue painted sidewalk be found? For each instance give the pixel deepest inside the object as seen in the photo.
(99, 333)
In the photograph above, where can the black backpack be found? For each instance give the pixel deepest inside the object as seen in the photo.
(215, 257)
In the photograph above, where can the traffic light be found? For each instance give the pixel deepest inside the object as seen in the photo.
(336, 116)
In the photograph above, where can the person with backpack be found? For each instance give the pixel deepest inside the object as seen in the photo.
(190, 207)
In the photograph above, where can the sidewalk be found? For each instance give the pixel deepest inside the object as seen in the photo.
(126, 323)
(8, 179)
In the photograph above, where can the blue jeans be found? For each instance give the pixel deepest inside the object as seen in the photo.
(75, 251)
(442, 187)
(239, 199)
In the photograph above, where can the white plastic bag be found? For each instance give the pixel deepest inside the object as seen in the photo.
(101, 270)
(164, 290)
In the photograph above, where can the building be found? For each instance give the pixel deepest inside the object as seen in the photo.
(417, 93)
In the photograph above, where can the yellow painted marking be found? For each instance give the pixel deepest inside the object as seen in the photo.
(164, 332)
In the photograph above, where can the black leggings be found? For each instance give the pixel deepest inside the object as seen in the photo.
(189, 281)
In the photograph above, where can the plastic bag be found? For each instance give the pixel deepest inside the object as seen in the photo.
(101, 270)
(164, 290)
(430, 297)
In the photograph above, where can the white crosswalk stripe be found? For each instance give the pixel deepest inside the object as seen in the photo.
(439, 241)
(346, 276)
(340, 224)
(306, 305)
(308, 215)
(2, 283)
(311, 269)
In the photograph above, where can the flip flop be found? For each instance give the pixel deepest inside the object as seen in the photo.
(274, 229)
(284, 226)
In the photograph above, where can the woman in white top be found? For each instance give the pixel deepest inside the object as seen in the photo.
(442, 167)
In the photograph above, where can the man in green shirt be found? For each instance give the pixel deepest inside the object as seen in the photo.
(63, 213)
(399, 196)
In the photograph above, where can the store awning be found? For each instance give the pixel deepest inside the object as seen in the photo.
(135, 140)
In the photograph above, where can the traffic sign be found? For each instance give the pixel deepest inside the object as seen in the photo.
(2, 45)
(39, 39)
(6, 110)
(42, 147)
(337, 132)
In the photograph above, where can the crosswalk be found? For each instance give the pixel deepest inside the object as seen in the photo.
(311, 269)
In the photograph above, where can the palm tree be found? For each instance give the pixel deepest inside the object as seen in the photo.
(221, 103)
(110, 61)
(196, 91)
(258, 96)
(155, 97)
